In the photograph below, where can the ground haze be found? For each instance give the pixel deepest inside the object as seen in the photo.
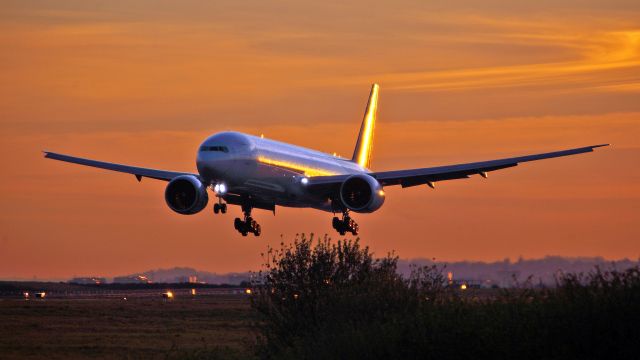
(111, 328)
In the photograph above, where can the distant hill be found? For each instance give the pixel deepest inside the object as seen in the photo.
(182, 274)
(501, 273)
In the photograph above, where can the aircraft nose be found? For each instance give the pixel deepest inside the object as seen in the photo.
(214, 164)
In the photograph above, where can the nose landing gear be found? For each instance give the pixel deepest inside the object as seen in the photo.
(248, 225)
(346, 224)
(220, 208)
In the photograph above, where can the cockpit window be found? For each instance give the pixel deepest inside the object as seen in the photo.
(214, 148)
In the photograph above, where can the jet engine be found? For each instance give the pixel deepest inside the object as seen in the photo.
(186, 195)
(361, 193)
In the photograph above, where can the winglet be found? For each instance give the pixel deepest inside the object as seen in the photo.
(362, 152)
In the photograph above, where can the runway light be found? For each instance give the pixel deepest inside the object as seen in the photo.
(167, 295)
(193, 292)
(247, 291)
(463, 287)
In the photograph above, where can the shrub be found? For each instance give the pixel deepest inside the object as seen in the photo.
(326, 300)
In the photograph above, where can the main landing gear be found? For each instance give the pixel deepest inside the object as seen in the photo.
(346, 224)
(219, 207)
(248, 225)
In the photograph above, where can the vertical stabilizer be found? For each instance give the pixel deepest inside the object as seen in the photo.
(362, 152)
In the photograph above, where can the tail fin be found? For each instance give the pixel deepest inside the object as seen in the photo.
(362, 152)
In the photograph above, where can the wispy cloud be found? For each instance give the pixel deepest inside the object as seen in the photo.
(598, 59)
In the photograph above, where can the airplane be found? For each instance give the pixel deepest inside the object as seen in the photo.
(258, 173)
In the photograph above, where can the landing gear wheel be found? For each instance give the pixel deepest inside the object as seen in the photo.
(223, 208)
(345, 225)
(216, 208)
(248, 225)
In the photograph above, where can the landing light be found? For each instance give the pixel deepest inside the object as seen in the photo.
(304, 181)
(220, 188)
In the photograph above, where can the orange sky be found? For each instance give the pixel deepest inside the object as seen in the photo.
(144, 82)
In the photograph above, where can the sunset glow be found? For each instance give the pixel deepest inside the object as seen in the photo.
(145, 83)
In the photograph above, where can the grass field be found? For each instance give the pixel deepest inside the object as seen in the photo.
(210, 326)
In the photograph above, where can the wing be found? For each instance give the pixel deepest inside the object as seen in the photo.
(413, 177)
(139, 172)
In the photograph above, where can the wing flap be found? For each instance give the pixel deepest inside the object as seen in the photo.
(139, 172)
(431, 178)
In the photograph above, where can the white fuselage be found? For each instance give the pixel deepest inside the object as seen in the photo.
(272, 170)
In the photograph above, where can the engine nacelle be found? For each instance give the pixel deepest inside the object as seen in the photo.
(361, 193)
(186, 195)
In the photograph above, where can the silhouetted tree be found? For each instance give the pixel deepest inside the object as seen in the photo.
(318, 299)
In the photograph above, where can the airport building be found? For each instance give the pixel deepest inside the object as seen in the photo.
(132, 279)
(88, 280)
(191, 279)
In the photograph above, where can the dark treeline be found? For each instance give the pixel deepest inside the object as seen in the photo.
(324, 300)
